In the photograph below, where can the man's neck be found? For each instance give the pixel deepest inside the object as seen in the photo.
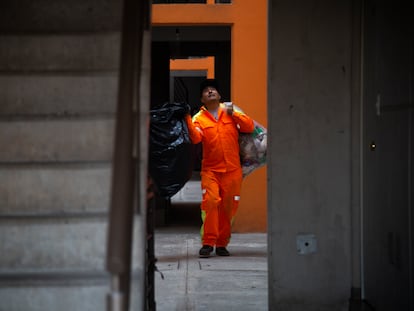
(212, 105)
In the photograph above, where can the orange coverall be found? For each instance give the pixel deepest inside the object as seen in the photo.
(221, 173)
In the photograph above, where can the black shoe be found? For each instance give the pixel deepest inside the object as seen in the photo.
(222, 251)
(205, 251)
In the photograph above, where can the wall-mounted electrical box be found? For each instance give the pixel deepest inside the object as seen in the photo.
(306, 244)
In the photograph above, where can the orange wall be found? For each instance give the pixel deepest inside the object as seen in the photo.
(205, 63)
(248, 20)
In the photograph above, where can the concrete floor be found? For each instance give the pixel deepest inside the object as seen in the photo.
(237, 282)
(190, 283)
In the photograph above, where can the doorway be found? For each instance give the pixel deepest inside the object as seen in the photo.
(387, 155)
(187, 43)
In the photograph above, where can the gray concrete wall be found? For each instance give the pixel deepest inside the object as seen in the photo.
(57, 264)
(59, 64)
(60, 15)
(64, 94)
(310, 162)
(67, 140)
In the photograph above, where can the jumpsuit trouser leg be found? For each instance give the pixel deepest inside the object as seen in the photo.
(221, 196)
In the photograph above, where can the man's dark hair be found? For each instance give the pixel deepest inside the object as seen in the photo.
(207, 83)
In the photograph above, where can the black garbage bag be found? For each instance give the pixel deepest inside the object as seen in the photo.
(170, 148)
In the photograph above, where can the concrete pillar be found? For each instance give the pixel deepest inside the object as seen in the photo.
(310, 159)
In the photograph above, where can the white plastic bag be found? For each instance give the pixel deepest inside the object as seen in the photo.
(253, 147)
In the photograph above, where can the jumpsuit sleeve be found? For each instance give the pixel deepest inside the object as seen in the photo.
(194, 132)
(244, 122)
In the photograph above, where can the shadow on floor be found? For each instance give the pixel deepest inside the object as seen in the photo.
(178, 215)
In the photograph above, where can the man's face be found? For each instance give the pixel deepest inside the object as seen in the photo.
(210, 94)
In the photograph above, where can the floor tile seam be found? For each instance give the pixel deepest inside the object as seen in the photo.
(239, 271)
(231, 293)
(186, 268)
(205, 274)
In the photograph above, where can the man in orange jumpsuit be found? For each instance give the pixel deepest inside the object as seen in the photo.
(217, 127)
